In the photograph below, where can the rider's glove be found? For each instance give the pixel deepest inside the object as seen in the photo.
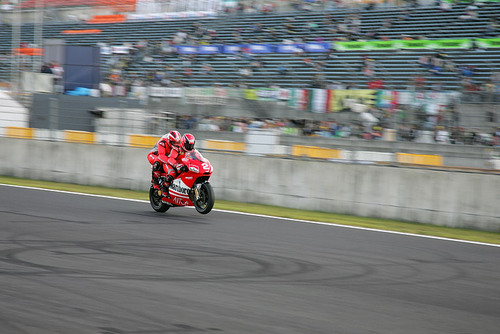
(181, 168)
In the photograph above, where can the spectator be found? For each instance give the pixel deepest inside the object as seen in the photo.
(376, 83)
(46, 69)
(441, 135)
(58, 72)
(425, 61)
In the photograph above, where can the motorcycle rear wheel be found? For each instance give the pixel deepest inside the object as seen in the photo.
(206, 199)
(156, 202)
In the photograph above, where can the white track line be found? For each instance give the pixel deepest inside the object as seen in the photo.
(266, 216)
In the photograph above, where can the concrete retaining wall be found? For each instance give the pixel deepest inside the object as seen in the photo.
(450, 198)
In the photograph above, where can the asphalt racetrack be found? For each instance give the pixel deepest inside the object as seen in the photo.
(75, 264)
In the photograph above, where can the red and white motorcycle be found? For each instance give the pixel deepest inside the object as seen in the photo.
(191, 188)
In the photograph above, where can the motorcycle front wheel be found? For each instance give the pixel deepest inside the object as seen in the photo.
(156, 202)
(206, 199)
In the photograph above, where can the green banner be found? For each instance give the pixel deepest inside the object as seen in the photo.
(351, 46)
(384, 45)
(451, 44)
(488, 42)
(412, 44)
(471, 1)
(415, 44)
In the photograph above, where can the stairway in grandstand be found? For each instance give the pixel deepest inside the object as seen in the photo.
(394, 67)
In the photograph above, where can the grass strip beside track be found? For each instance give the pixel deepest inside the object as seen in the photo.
(375, 223)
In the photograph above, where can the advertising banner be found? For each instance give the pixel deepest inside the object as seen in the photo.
(260, 48)
(450, 44)
(209, 49)
(387, 99)
(267, 94)
(186, 49)
(288, 48)
(365, 96)
(411, 44)
(231, 48)
(488, 42)
(165, 91)
(384, 45)
(316, 47)
(169, 16)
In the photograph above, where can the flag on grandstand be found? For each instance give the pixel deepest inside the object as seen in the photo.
(387, 99)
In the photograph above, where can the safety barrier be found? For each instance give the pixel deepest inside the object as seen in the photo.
(364, 190)
(148, 141)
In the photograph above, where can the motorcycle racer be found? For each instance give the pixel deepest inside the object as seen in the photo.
(174, 164)
(158, 156)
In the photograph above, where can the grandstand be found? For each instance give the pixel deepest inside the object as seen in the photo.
(394, 67)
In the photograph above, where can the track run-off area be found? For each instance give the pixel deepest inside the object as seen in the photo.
(81, 264)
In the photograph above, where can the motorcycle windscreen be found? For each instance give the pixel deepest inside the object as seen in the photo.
(195, 155)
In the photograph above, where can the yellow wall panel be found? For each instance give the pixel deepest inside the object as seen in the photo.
(79, 137)
(19, 132)
(316, 152)
(142, 140)
(419, 159)
(224, 145)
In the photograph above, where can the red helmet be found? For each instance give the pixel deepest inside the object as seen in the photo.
(187, 142)
(173, 138)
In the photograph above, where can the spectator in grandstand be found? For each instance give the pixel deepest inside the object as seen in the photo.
(246, 72)
(444, 5)
(206, 69)
(257, 64)
(488, 91)
(371, 5)
(425, 61)
(188, 72)
(368, 66)
(180, 37)
(436, 66)
(289, 26)
(441, 135)
(307, 61)
(319, 65)
(467, 71)
(493, 28)
(282, 69)
(376, 83)
(311, 27)
(46, 68)
(404, 15)
(237, 38)
(470, 14)
(58, 72)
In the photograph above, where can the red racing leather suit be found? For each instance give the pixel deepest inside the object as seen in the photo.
(158, 157)
(174, 162)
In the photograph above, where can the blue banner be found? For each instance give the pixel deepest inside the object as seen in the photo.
(289, 48)
(209, 49)
(260, 48)
(186, 49)
(253, 48)
(231, 48)
(317, 47)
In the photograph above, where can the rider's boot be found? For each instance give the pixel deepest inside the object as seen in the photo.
(155, 178)
(155, 173)
(165, 184)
